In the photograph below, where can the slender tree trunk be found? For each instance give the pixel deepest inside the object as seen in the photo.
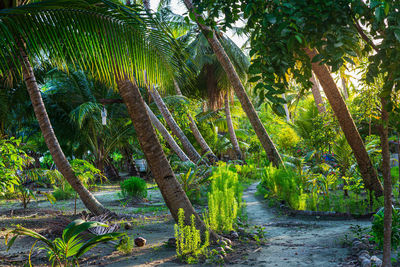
(197, 134)
(237, 85)
(346, 122)
(176, 130)
(50, 138)
(166, 135)
(317, 95)
(231, 130)
(387, 187)
(344, 87)
(171, 190)
(285, 106)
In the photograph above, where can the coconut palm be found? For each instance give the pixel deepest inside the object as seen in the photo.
(238, 87)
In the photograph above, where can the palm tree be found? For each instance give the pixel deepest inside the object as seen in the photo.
(121, 43)
(238, 87)
(346, 122)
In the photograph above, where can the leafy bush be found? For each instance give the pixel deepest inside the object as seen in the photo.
(133, 187)
(224, 199)
(188, 239)
(285, 184)
(65, 193)
(67, 250)
(377, 228)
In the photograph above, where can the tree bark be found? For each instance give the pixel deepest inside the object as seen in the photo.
(231, 130)
(285, 106)
(345, 92)
(237, 85)
(172, 192)
(50, 138)
(166, 135)
(346, 122)
(176, 130)
(387, 186)
(317, 95)
(197, 134)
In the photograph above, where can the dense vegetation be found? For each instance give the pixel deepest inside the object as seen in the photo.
(98, 94)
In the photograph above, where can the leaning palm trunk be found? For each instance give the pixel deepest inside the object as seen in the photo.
(346, 122)
(166, 135)
(197, 134)
(237, 85)
(172, 192)
(50, 138)
(176, 130)
(231, 130)
(317, 95)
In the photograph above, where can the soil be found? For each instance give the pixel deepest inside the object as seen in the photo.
(290, 241)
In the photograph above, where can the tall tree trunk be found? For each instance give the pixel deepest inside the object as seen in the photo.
(231, 130)
(171, 190)
(387, 186)
(176, 130)
(237, 85)
(345, 92)
(197, 134)
(285, 106)
(166, 135)
(50, 138)
(346, 122)
(317, 95)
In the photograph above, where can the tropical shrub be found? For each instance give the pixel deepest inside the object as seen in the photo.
(63, 193)
(188, 239)
(67, 250)
(377, 228)
(285, 184)
(134, 187)
(224, 199)
(12, 161)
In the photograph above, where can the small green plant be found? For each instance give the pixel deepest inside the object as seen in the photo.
(126, 245)
(65, 193)
(377, 228)
(67, 250)
(188, 239)
(224, 199)
(134, 187)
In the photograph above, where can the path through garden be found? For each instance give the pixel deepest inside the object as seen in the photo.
(297, 241)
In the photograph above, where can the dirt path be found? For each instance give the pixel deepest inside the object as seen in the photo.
(295, 241)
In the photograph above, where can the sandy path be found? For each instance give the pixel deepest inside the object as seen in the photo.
(295, 241)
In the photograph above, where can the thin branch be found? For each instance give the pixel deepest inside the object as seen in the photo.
(364, 36)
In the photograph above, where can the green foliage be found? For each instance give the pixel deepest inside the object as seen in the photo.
(12, 160)
(317, 131)
(224, 199)
(287, 139)
(188, 239)
(378, 228)
(126, 245)
(67, 250)
(134, 187)
(285, 184)
(193, 183)
(85, 171)
(63, 193)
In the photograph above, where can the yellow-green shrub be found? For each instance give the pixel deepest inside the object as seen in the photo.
(188, 238)
(224, 199)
